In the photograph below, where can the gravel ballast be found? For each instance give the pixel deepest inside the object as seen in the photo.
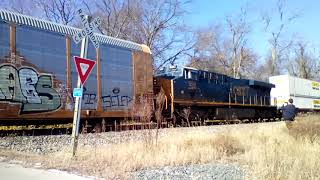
(203, 172)
(54, 143)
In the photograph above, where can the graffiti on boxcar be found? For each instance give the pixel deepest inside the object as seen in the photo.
(24, 85)
(65, 95)
(115, 99)
(89, 98)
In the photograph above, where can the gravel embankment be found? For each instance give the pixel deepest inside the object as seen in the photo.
(206, 171)
(54, 143)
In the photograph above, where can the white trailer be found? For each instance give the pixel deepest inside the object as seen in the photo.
(305, 93)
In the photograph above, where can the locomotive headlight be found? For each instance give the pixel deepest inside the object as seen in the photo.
(182, 91)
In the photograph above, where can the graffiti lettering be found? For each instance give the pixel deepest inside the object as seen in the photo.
(35, 92)
(10, 85)
(116, 90)
(108, 101)
(89, 98)
(115, 101)
(28, 80)
(50, 99)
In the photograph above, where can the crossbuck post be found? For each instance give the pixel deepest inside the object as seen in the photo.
(77, 106)
(83, 36)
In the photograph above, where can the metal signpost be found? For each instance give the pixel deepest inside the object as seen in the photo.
(84, 67)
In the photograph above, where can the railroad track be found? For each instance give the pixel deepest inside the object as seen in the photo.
(52, 129)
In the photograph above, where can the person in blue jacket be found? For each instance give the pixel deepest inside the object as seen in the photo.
(289, 112)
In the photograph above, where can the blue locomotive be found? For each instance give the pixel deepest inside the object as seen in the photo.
(197, 95)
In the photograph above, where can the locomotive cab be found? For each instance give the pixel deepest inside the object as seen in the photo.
(190, 74)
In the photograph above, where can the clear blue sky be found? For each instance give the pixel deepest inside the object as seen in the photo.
(307, 26)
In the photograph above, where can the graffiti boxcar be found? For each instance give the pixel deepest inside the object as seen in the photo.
(37, 73)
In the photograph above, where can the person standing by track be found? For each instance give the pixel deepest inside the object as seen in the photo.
(289, 113)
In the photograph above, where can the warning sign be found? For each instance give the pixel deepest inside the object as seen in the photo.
(84, 68)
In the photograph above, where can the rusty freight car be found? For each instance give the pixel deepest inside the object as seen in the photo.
(37, 73)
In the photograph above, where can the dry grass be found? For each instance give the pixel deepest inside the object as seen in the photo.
(267, 151)
(306, 128)
(132, 156)
(281, 153)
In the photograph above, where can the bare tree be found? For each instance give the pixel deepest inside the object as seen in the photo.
(20, 6)
(276, 41)
(304, 63)
(211, 51)
(161, 27)
(60, 11)
(155, 23)
(239, 29)
(260, 73)
(117, 17)
(224, 49)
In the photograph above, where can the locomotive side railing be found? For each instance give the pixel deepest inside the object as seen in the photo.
(250, 100)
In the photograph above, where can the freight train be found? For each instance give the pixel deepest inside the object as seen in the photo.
(197, 95)
(37, 75)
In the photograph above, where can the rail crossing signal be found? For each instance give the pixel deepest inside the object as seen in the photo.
(88, 29)
(84, 67)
